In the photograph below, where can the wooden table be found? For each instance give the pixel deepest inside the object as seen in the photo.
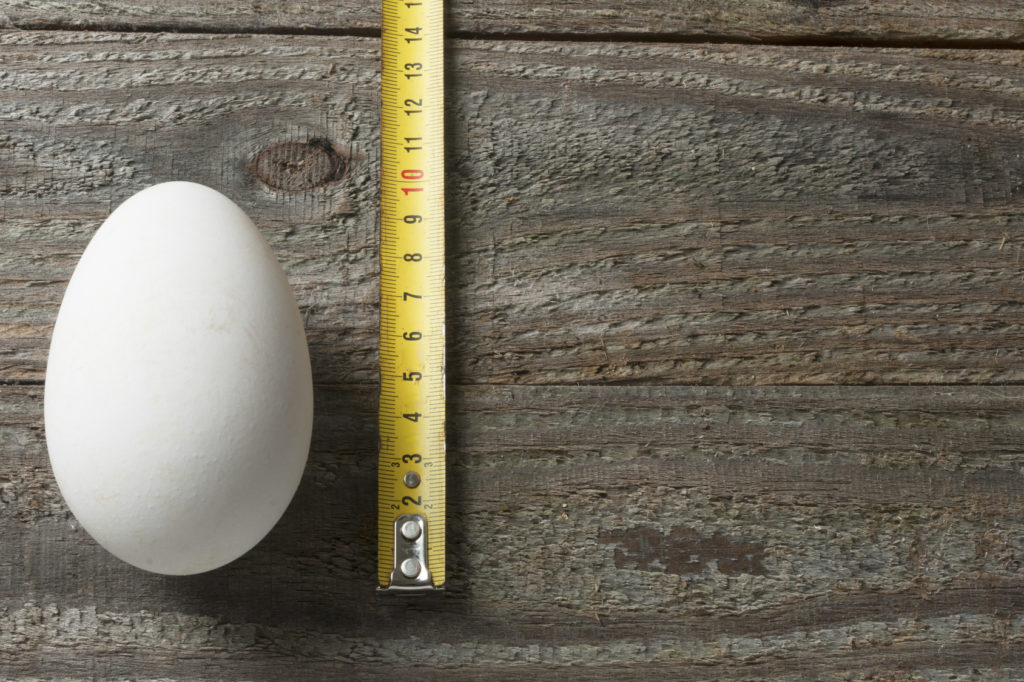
(736, 321)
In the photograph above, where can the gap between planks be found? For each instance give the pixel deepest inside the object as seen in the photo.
(635, 37)
(14, 383)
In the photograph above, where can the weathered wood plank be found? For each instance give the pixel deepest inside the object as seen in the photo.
(760, 20)
(618, 213)
(772, 532)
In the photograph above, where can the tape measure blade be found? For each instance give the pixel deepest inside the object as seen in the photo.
(411, 480)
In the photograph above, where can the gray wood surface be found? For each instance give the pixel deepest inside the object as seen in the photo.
(618, 213)
(657, 215)
(844, 21)
(694, 532)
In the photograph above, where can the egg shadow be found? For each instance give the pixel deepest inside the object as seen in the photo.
(317, 569)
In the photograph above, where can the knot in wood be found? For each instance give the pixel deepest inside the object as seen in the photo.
(296, 166)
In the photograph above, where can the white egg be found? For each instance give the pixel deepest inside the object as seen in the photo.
(179, 397)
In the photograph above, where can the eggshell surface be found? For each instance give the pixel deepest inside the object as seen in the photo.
(179, 397)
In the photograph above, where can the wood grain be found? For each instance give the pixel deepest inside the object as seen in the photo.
(847, 21)
(626, 222)
(618, 213)
(692, 532)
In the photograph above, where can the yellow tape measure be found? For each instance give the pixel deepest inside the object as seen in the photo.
(411, 467)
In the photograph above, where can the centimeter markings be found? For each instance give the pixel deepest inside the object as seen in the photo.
(412, 398)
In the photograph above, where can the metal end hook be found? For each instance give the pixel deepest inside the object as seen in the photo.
(409, 573)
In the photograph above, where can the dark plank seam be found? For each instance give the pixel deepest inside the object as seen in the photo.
(809, 40)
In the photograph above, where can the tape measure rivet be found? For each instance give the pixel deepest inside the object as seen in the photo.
(411, 479)
(410, 531)
(411, 568)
